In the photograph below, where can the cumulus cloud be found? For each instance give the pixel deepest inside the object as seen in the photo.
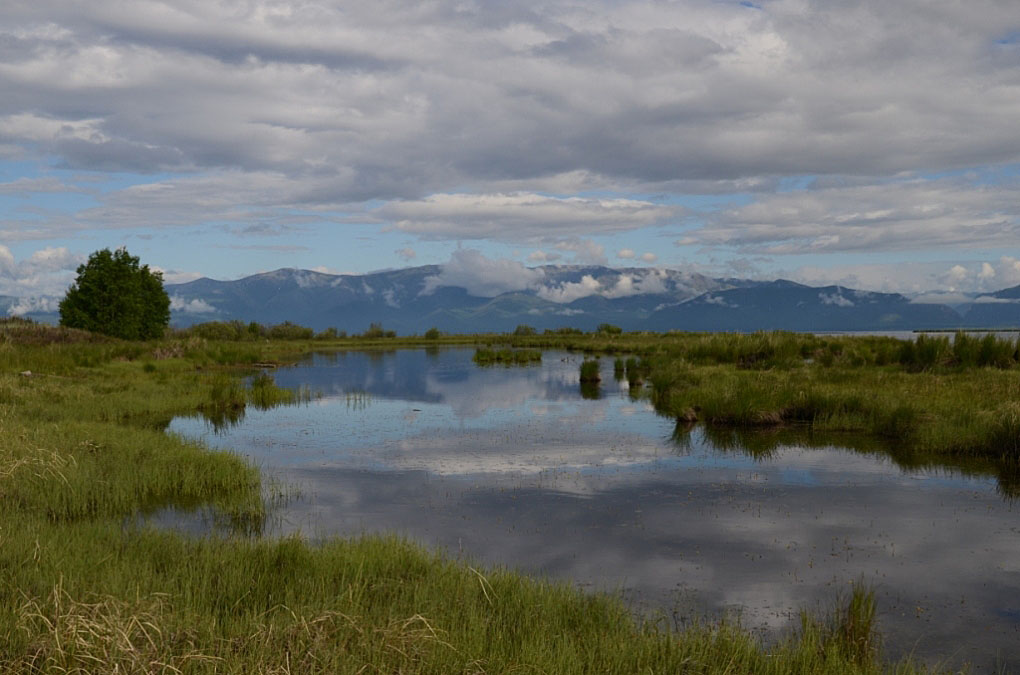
(193, 306)
(452, 120)
(32, 305)
(636, 284)
(47, 271)
(407, 254)
(625, 285)
(649, 257)
(625, 253)
(447, 93)
(571, 290)
(482, 276)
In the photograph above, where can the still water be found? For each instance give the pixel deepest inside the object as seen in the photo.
(513, 467)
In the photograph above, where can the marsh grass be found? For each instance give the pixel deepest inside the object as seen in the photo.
(507, 357)
(589, 371)
(85, 589)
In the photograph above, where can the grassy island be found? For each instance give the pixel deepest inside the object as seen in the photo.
(85, 586)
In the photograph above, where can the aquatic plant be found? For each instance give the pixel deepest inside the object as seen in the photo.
(590, 371)
(507, 357)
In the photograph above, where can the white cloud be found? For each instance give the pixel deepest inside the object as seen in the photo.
(989, 300)
(837, 299)
(649, 257)
(585, 251)
(636, 284)
(36, 304)
(543, 256)
(571, 290)
(888, 216)
(467, 118)
(519, 216)
(390, 297)
(483, 277)
(193, 306)
(47, 271)
(718, 300)
(407, 254)
(625, 253)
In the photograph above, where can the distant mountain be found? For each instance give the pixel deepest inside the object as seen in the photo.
(788, 305)
(42, 309)
(994, 310)
(414, 299)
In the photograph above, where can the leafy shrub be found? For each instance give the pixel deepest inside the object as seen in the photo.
(115, 295)
(290, 331)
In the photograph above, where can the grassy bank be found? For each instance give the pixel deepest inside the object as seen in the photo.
(939, 400)
(85, 588)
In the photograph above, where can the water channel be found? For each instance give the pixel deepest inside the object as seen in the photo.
(514, 467)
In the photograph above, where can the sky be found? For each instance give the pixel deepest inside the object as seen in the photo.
(868, 143)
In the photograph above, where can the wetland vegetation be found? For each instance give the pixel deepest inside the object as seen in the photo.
(84, 586)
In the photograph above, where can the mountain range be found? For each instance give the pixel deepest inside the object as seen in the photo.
(412, 300)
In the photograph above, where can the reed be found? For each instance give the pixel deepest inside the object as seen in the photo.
(507, 357)
(88, 586)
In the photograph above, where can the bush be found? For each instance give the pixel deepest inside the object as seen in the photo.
(432, 333)
(330, 333)
(290, 331)
(375, 331)
(116, 296)
(523, 330)
(609, 329)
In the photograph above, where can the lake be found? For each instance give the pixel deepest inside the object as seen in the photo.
(514, 467)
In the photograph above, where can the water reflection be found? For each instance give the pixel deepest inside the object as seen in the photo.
(516, 467)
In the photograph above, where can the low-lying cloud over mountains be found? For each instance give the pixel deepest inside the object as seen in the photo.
(472, 293)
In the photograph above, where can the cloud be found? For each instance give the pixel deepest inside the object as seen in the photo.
(46, 272)
(836, 299)
(519, 216)
(942, 298)
(625, 253)
(990, 300)
(193, 306)
(543, 256)
(625, 285)
(649, 257)
(571, 290)
(449, 93)
(33, 305)
(636, 284)
(718, 300)
(406, 254)
(466, 121)
(585, 251)
(897, 215)
(35, 185)
(481, 276)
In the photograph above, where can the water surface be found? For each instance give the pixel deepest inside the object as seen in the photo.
(513, 467)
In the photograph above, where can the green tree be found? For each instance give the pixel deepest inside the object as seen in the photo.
(116, 296)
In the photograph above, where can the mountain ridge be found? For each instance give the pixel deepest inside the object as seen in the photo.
(414, 299)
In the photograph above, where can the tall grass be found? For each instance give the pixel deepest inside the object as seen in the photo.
(85, 588)
(507, 357)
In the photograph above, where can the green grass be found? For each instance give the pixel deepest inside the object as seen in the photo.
(85, 586)
(507, 357)
(590, 371)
